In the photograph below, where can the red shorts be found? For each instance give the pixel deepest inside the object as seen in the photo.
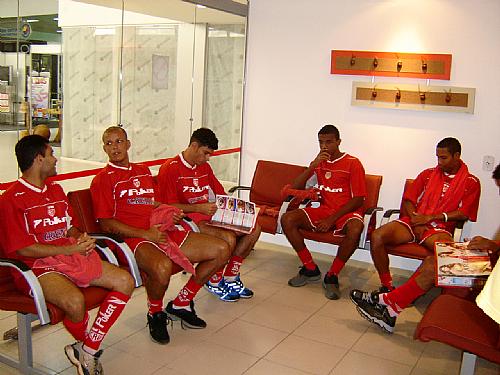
(177, 236)
(430, 230)
(316, 214)
(197, 217)
(79, 269)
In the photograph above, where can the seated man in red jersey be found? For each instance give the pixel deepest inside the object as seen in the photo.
(123, 197)
(188, 182)
(38, 229)
(437, 199)
(340, 181)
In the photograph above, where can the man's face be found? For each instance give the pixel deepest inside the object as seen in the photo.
(201, 154)
(49, 162)
(329, 143)
(116, 147)
(446, 161)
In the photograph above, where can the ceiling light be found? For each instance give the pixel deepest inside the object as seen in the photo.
(56, 18)
(200, 6)
(32, 20)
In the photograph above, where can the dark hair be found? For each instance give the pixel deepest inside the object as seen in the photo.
(28, 148)
(496, 173)
(205, 137)
(114, 128)
(330, 129)
(451, 144)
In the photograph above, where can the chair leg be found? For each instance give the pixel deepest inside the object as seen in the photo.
(468, 363)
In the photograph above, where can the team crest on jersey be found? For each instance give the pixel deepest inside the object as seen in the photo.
(328, 175)
(195, 182)
(136, 182)
(51, 211)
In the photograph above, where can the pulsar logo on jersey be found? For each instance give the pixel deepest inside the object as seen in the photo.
(49, 221)
(195, 189)
(135, 192)
(136, 182)
(201, 198)
(195, 182)
(329, 189)
(143, 200)
(328, 175)
(51, 210)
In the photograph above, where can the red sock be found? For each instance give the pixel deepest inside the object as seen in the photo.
(233, 267)
(216, 277)
(110, 310)
(154, 305)
(306, 259)
(401, 297)
(187, 293)
(386, 280)
(336, 267)
(79, 329)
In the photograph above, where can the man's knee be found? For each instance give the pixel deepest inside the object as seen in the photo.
(161, 271)
(354, 229)
(123, 282)
(73, 303)
(289, 220)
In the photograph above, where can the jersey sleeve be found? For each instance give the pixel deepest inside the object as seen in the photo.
(15, 234)
(102, 196)
(416, 189)
(470, 202)
(358, 179)
(215, 184)
(167, 183)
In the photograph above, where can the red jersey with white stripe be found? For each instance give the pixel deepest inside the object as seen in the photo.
(179, 182)
(468, 205)
(32, 215)
(124, 193)
(339, 181)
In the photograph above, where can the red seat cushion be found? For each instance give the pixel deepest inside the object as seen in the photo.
(462, 324)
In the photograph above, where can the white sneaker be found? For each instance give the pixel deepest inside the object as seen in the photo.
(86, 363)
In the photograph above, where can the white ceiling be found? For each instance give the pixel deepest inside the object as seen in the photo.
(173, 9)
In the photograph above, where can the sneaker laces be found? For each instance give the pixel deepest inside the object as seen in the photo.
(191, 306)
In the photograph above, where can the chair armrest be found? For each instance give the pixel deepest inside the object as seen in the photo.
(388, 215)
(125, 250)
(238, 188)
(458, 233)
(106, 251)
(369, 214)
(34, 284)
(283, 208)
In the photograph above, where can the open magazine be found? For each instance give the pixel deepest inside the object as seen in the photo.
(234, 213)
(458, 266)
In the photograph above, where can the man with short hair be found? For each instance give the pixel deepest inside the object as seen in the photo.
(123, 196)
(188, 182)
(437, 199)
(38, 229)
(340, 181)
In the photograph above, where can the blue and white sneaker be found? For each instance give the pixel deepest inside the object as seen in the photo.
(238, 287)
(223, 291)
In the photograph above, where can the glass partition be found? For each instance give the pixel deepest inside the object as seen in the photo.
(161, 69)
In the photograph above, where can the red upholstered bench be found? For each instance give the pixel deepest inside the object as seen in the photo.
(462, 324)
(30, 309)
(269, 179)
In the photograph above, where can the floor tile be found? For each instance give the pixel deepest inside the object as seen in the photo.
(360, 364)
(265, 367)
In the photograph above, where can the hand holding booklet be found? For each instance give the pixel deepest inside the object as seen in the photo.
(234, 214)
(458, 266)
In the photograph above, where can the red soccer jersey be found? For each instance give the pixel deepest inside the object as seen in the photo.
(125, 194)
(340, 180)
(32, 215)
(468, 205)
(179, 182)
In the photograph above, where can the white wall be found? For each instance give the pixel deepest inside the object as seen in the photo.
(290, 92)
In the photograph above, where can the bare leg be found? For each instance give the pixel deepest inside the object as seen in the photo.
(349, 244)
(291, 222)
(157, 266)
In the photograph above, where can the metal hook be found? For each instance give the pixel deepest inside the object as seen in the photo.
(398, 95)
(374, 92)
(353, 60)
(375, 62)
(424, 66)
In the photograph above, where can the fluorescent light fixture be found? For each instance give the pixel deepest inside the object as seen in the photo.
(104, 31)
(59, 31)
(32, 20)
(200, 6)
(56, 18)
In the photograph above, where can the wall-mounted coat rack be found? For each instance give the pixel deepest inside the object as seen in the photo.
(417, 97)
(391, 64)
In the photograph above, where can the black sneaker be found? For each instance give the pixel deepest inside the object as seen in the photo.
(331, 285)
(305, 276)
(158, 327)
(188, 318)
(368, 306)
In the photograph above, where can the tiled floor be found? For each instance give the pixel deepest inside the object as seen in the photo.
(282, 330)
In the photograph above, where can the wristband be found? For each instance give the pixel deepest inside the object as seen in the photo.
(445, 217)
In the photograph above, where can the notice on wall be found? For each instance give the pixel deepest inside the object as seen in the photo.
(40, 96)
(160, 72)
